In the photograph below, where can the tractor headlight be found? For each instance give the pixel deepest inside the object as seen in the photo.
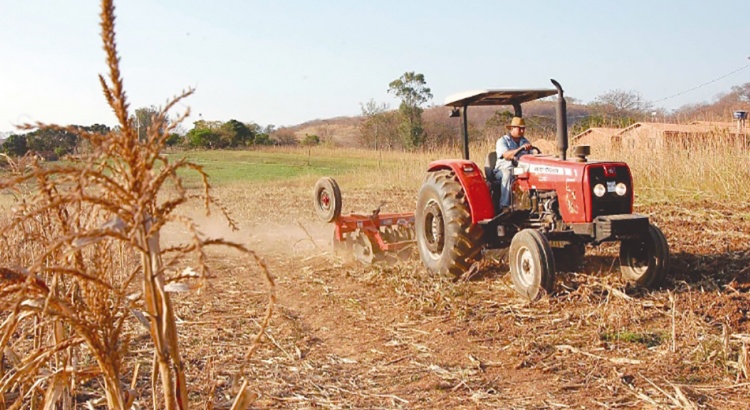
(621, 189)
(599, 190)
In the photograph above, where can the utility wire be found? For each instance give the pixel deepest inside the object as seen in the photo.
(702, 85)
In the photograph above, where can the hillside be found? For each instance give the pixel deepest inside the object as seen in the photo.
(345, 131)
(339, 131)
(540, 115)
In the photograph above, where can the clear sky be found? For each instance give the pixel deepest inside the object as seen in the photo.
(285, 62)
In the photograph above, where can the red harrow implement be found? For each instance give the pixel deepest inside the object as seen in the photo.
(369, 238)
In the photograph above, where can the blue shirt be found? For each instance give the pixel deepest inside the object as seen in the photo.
(506, 143)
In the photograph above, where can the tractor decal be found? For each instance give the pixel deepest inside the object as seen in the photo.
(546, 169)
(571, 199)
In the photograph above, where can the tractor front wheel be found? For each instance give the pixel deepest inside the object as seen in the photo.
(645, 261)
(447, 240)
(532, 264)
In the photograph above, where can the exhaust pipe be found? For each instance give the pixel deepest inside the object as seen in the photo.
(562, 122)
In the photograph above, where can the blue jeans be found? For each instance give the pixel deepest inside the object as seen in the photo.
(506, 178)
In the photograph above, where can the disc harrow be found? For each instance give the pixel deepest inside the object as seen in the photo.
(369, 238)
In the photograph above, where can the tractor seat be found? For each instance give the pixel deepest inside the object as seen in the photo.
(492, 183)
(489, 167)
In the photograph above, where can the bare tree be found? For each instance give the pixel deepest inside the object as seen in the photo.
(380, 126)
(620, 103)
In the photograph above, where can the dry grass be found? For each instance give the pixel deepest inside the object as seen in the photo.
(711, 170)
(390, 336)
(81, 261)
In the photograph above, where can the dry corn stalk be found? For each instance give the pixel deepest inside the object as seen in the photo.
(83, 237)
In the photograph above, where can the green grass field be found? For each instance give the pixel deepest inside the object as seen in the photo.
(229, 167)
(361, 168)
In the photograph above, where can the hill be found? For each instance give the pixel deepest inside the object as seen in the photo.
(339, 131)
(540, 115)
(345, 131)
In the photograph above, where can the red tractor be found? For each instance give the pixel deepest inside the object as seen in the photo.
(558, 206)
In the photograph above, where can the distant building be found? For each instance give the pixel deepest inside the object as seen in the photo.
(658, 135)
(597, 137)
(664, 136)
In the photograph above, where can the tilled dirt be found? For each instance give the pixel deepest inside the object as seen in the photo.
(344, 335)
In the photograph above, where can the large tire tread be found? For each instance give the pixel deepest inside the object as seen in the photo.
(467, 240)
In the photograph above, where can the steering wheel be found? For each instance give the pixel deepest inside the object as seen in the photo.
(514, 161)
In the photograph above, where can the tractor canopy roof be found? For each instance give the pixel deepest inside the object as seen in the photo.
(496, 97)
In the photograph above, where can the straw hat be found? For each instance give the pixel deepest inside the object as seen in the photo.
(516, 122)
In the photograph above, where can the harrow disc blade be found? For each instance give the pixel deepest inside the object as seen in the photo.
(400, 234)
(362, 248)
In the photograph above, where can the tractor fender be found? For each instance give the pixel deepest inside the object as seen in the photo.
(475, 186)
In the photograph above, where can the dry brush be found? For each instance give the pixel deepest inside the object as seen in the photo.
(81, 265)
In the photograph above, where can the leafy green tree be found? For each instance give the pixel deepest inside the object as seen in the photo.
(174, 139)
(263, 139)
(237, 133)
(84, 145)
(15, 145)
(49, 141)
(202, 138)
(310, 140)
(412, 89)
(96, 128)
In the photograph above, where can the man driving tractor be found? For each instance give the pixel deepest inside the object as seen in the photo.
(510, 147)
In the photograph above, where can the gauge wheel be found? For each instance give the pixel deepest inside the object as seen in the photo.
(327, 199)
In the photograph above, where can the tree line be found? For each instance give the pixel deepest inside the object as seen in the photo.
(53, 144)
(410, 127)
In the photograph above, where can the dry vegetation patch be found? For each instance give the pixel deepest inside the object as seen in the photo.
(392, 336)
(83, 275)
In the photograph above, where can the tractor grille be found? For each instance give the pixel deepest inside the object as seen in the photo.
(610, 203)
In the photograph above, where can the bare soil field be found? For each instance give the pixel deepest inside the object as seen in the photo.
(345, 335)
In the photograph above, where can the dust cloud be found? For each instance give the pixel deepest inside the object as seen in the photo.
(301, 238)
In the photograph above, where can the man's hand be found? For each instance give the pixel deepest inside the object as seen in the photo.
(526, 146)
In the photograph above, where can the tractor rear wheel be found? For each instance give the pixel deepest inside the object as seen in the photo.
(448, 242)
(532, 264)
(327, 199)
(645, 261)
